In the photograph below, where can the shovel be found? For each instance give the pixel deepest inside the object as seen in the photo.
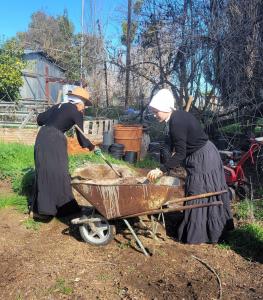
(101, 155)
(110, 165)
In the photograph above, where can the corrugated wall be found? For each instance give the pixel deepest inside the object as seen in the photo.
(35, 84)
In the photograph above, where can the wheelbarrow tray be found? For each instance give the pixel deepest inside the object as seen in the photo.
(115, 201)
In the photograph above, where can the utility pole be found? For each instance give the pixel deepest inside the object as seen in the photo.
(128, 56)
(105, 67)
(82, 43)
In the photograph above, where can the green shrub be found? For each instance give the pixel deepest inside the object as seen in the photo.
(11, 66)
(232, 129)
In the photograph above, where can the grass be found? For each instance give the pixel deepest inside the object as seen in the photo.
(124, 245)
(62, 287)
(250, 210)
(20, 202)
(16, 162)
(147, 163)
(223, 246)
(32, 224)
(78, 160)
(247, 240)
(103, 277)
(14, 158)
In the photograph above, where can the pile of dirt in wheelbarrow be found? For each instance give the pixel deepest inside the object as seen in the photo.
(101, 174)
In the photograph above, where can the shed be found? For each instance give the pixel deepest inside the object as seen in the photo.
(42, 77)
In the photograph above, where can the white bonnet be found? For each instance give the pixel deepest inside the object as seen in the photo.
(163, 100)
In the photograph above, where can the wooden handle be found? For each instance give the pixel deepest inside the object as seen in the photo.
(81, 131)
(171, 209)
(101, 155)
(200, 196)
(189, 102)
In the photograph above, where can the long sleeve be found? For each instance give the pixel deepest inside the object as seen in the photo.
(83, 141)
(178, 132)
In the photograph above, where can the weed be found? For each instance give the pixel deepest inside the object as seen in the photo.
(223, 246)
(250, 210)
(103, 277)
(124, 245)
(160, 252)
(32, 224)
(61, 287)
(20, 202)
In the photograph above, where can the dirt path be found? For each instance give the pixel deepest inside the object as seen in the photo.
(53, 263)
(5, 188)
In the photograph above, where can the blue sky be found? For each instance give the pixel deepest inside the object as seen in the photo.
(16, 14)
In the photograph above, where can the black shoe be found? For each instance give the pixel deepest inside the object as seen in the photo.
(38, 217)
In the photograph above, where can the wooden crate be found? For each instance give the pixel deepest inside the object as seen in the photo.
(94, 129)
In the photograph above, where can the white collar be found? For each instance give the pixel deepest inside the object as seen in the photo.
(167, 120)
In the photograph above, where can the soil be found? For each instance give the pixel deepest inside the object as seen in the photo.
(54, 263)
(74, 147)
(5, 188)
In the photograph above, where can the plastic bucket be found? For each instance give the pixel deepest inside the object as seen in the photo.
(116, 150)
(107, 138)
(130, 157)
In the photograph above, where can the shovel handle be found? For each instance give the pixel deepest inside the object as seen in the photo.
(110, 165)
(189, 102)
(101, 155)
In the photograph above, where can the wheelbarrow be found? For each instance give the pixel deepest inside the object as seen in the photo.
(111, 202)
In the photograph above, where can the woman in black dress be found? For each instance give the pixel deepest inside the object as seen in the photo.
(204, 169)
(53, 194)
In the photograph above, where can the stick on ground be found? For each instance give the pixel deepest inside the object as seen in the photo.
(213, 271)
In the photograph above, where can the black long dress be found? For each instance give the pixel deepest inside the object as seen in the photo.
(205, 173)
(53, 193)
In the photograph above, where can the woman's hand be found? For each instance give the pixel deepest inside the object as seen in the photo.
(154, 174)
(97, 151)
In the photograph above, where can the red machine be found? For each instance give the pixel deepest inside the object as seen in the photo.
(234, 166)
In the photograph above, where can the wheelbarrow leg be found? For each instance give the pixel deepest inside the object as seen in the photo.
(136, 237)
(152, 232)
(155, 222)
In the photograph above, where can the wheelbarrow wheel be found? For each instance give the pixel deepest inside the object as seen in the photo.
(99, 233)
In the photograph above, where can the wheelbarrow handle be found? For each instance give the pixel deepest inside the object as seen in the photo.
(171, 209)
(194, 197)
